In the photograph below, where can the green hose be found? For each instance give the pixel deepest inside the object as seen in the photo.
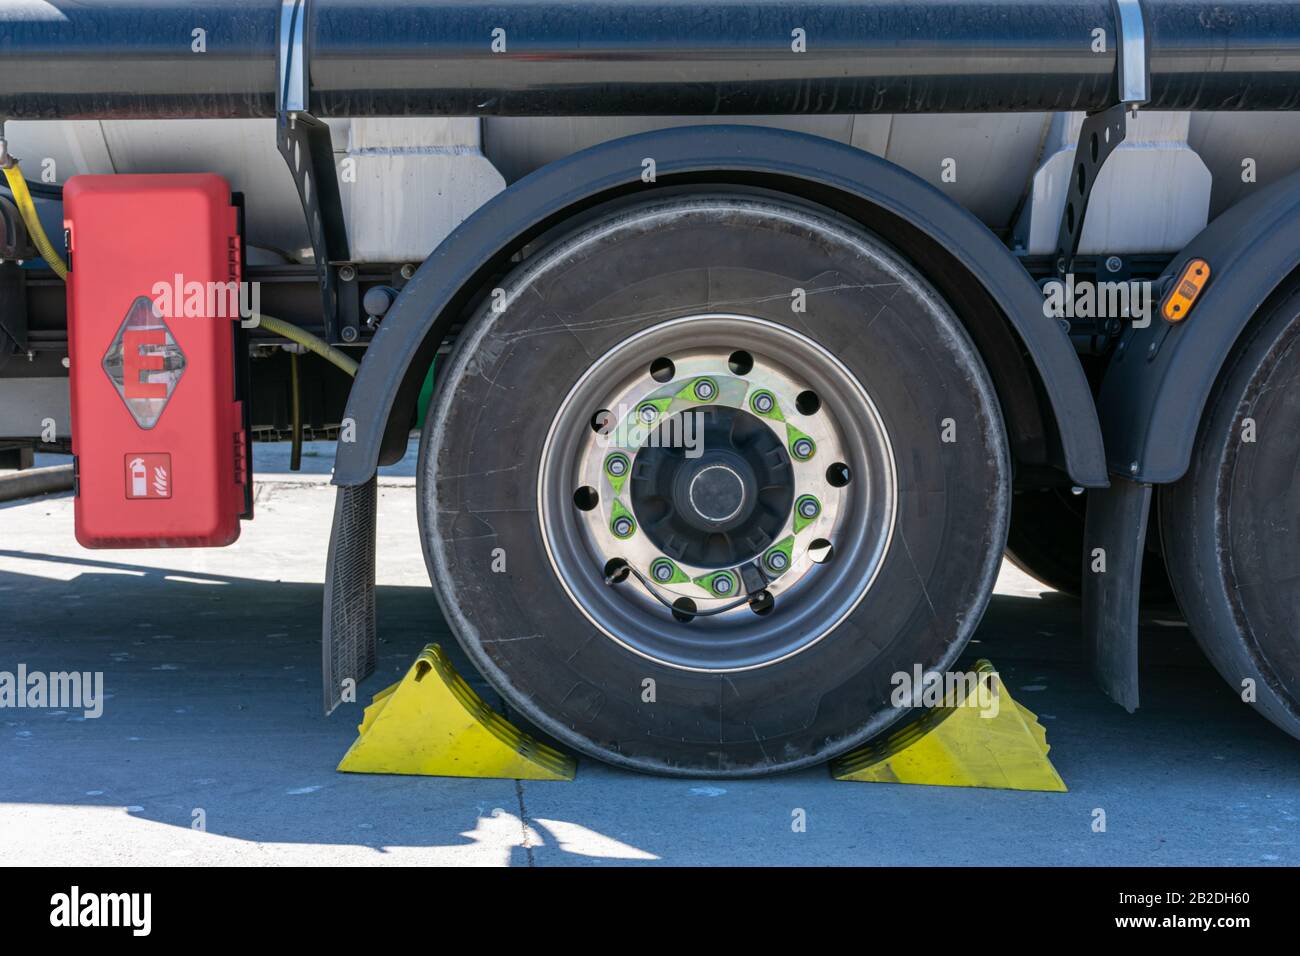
(295, 417)
(308, 341)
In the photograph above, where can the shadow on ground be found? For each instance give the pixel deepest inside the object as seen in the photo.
(213, 708)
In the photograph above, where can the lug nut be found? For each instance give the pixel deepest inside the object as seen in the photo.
(623, 527)
(722, 584)
(803, 448)
(777, 560)
(662, 571)
(809, 508)
(616, 465)
(763, 402)
(648, 413)
(705, 389)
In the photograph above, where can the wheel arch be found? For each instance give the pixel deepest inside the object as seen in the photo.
(995, 297)
(1154, 394)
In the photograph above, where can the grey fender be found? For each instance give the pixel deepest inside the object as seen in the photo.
(1155, 389)
(1151, 402)
(945, 241)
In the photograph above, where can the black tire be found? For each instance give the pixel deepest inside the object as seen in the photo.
(587, 292)
(1230, 524)
(1045, 541)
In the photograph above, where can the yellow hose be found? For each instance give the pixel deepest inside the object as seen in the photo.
(27, 209)
(308, 341)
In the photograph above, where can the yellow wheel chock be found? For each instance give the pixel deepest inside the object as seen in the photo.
(957, 746)
(432, 723)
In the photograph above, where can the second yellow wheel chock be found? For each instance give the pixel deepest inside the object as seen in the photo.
(962, 744)
(432, 723)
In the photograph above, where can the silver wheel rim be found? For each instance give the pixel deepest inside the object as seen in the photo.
(835, 435)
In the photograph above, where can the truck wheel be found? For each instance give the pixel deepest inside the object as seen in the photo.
(685, 493)
(1230, 523)
(1045, 541)
(1045, 538)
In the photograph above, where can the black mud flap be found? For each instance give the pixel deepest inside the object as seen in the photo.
(348, 635)
(1115, 534)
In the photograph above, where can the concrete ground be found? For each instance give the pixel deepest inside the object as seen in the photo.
(212, 716)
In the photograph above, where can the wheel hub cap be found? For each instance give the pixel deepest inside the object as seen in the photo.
(718, 501)
(717, 493)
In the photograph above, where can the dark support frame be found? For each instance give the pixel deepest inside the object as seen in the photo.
(305, 143)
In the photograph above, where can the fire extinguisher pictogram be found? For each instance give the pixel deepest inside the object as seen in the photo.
(148, 475)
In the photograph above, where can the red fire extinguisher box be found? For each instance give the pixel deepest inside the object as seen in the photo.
(153, 310)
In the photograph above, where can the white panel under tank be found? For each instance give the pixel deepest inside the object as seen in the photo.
(1152, 195)
(411, 180)
(407, 183)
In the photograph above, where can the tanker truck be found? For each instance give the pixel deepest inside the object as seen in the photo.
(742, 338)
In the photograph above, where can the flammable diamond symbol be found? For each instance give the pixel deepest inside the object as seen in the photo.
(144, 363)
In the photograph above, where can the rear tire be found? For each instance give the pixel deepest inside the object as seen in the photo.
(518, 527)
(1230, 525)
(1045, 541)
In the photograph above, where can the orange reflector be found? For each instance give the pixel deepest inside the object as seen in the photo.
(1182, 296)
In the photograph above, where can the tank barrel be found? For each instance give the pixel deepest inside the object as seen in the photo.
(127, 59)
(159, 59)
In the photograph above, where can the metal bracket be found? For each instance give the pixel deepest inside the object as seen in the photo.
(1098, 137)
(304, 142)
(15, 246)
(1102, 132)
(1132, 63)
(14, 241)
(13, 309)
